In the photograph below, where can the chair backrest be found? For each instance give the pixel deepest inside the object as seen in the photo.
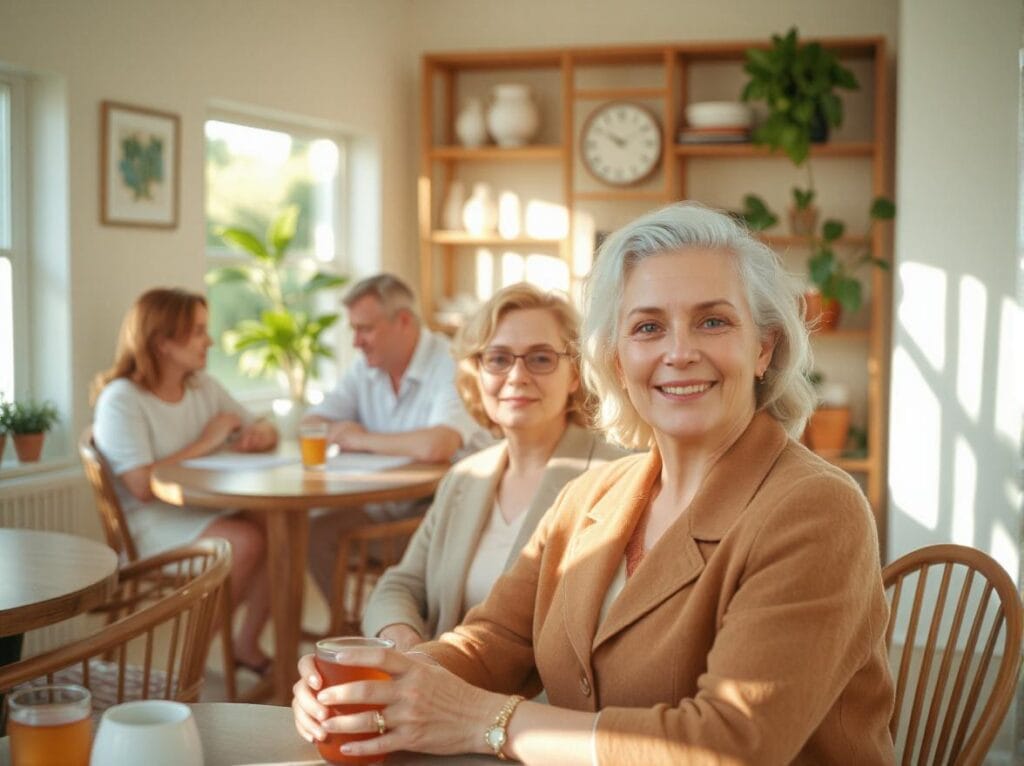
(958, 615)
(156, 647)
(363, 554)
(101, 479)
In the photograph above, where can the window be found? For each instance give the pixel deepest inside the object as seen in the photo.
(253, 172)
(12, 236)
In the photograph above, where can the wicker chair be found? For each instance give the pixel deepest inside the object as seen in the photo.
(363, 554)
(163, 617)
(119, 537)
(957, 669)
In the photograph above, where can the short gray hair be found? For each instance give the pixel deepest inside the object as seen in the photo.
(392, 292)
(775, 299)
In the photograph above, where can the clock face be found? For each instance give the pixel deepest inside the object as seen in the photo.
(621, 143)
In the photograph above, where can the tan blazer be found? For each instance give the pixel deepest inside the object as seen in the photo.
(751, 633)
(442, 549)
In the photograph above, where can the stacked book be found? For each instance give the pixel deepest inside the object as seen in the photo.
(714, 135)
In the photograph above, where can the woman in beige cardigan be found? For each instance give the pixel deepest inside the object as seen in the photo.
(717, 600)
(518, 375)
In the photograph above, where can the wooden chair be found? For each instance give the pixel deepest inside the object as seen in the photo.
(363, 554)
(119, 537)
(164, 616)
(957, 669)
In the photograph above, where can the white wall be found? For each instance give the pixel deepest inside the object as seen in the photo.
(343, 62)
(957, 388)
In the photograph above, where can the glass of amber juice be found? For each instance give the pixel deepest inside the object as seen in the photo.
(334, 673)
(50, 724)
(313, 445)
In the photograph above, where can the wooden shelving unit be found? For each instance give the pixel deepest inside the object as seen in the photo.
(664, 78)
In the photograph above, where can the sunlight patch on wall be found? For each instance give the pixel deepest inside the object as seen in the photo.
(484, 263)
(545, 220)
(1004, 548)
(547, 272)
(1009, 411)
(583, 244)
(922, 310)
(916, 420)
(513, 268)
(965, 485)
(971, 345)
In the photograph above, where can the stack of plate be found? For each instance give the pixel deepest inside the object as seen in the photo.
(716, 122)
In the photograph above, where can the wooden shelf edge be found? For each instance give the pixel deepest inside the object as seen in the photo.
(612, 94)
(533, 152)
(447, 237)
(794, 240)
(615, 196)
(841, 334)
(835, 149)
(851, 464)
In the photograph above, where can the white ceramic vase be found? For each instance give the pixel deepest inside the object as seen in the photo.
(480, 213)
(471, 125)
(510, 216)
(512, 118)
(451, 212)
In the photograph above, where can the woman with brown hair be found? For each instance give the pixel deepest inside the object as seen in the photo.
(518, 374)
(155, 405)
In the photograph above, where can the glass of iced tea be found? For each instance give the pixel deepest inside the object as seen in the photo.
(50, 724)
(313, 445)
(334, 673)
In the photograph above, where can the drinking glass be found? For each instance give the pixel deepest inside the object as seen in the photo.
(50, 724)
(148, 733)
(334, 673)
(313, 444)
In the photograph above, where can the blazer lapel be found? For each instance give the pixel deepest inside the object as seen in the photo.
(675, 560)
(570, 458)
(599, 546)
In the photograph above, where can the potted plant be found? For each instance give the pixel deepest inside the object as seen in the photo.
(803, 215)
(286, 340)
(829, 425)
(27, 423)
(4, 407)
(798, 83)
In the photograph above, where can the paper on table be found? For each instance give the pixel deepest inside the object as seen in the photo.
(364, 462)
(239, 461)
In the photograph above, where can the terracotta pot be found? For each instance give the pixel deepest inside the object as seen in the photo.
(822, 314)
(28, 446)
(803, 223)
(827, 430)
(3, 443)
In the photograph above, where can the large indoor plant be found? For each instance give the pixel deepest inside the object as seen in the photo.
(286, 340)
(27, 422)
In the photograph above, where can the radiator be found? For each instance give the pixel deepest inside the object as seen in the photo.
(56, 501)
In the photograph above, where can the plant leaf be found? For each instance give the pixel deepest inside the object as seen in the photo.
(883, 209)
(832, 230)
(227, 274)
(282, 231)
(322, 281)
(244, 241)
(848, 292)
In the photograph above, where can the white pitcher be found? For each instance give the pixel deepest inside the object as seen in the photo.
(513, 118)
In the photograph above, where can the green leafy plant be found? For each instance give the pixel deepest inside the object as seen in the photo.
(29, 417)
(802, 198)
(798, 82)
(286, 340)
(756, 213)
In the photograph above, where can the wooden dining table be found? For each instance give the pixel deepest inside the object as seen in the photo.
(285, 494)
(47, 577)
(234, 733)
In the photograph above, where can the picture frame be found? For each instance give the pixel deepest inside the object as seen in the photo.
(140, 151)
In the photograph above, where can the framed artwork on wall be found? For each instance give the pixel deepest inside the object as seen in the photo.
(139, 161)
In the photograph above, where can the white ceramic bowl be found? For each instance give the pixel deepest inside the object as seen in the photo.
(718, 114)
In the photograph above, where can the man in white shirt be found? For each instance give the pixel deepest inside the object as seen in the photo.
(397, 398)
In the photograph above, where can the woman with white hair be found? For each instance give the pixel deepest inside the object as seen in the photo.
(717, 599)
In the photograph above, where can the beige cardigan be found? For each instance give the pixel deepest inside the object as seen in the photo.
(425, 590)
(751, 633)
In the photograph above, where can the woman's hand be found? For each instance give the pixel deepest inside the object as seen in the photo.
(426, 708)
(260, 436)
(218, 429)
(404, 636)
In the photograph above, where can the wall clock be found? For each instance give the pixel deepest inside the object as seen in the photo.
(620, 143)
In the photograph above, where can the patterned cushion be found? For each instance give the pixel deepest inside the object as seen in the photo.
(103, 683)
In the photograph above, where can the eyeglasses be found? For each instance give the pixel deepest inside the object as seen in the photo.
(539, 362)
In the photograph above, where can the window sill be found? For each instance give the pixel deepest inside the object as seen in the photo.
(12, 469)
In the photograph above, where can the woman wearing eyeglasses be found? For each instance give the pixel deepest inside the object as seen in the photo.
(519, 376)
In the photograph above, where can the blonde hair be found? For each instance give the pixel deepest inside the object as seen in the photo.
(775, 300)
(157, 315)
(479, 328)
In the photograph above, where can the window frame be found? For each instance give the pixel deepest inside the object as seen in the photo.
(217, 257)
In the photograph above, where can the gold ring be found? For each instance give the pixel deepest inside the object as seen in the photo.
(382, 725)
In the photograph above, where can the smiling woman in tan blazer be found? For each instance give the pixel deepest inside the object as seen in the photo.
(716, 601)
(519, 376)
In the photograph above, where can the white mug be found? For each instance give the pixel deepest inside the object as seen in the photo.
(147, 733)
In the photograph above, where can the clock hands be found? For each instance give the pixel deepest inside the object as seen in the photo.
(618, 140)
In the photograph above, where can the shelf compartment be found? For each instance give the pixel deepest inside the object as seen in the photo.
(836, 149)
(659, 195)
(491, 153)
(791, 240)
(616, 94)
(440, 237)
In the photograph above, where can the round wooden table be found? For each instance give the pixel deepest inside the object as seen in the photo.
(285, 494)
(46, 577)
(253, 734)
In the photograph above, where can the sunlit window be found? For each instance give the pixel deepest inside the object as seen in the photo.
(6, 247)
(252, 173)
